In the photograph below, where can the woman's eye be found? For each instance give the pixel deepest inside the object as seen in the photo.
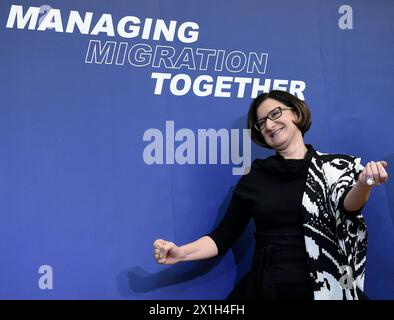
(275, 114)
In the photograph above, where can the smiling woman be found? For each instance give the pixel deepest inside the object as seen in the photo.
(265, 118)
(311, 238)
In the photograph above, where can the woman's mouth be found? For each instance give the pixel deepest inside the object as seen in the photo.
(275, 133)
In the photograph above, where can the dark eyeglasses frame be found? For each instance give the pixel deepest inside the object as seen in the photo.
(269, 116)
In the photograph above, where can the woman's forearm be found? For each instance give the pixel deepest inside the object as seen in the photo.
(202, 248)
(357, 196)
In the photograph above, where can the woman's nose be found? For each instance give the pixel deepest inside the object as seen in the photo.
(268, 124)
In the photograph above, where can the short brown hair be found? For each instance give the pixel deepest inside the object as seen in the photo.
(300, 107)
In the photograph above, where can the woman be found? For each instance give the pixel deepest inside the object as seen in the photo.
(311, 238)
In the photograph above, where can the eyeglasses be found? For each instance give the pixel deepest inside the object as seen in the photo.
(272, 115)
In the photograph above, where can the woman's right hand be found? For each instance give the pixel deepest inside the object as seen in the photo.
(166, 252)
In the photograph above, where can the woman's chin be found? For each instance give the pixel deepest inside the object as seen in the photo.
(276, 143)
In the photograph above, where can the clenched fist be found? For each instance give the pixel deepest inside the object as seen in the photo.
(166, 252)
(374, 173)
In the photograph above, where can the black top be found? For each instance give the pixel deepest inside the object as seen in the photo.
(271, 194)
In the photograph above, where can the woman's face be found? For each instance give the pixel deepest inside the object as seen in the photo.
(279, 133)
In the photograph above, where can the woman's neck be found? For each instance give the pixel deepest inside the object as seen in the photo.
(294, 151)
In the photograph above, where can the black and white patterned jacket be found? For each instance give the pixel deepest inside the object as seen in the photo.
(336, 240)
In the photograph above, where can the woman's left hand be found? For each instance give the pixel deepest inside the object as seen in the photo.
(374, 174)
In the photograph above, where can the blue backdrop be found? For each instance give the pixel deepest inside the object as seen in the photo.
(101, 150)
